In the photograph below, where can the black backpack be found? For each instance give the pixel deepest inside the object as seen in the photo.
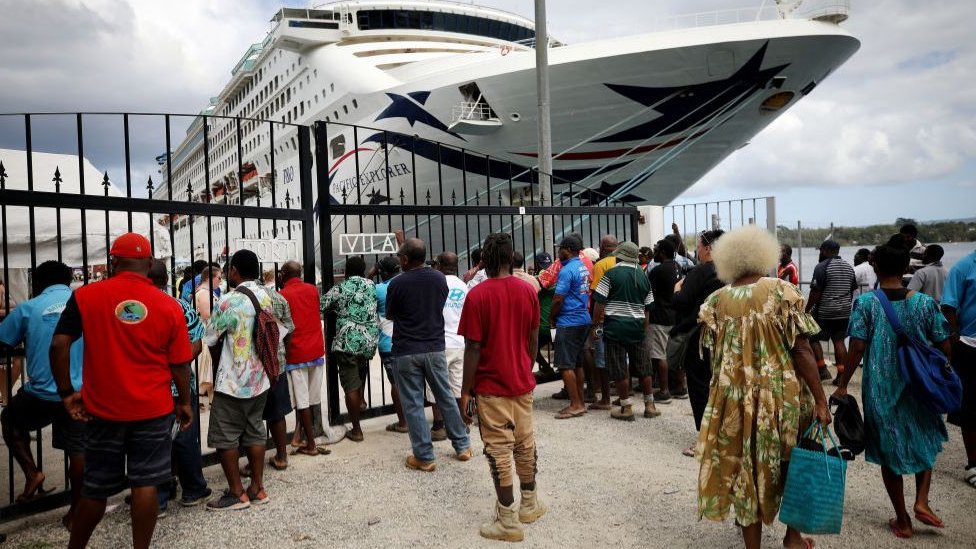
(848, 423)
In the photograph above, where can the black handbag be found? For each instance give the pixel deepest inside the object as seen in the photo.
(848, 423)
(679, 345)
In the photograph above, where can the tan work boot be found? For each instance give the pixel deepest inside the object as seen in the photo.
(531, 507)
(650, 410)
(626, 413)
(506, 526)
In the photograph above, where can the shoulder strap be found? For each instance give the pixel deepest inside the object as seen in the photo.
(889, 311)
(253, 298)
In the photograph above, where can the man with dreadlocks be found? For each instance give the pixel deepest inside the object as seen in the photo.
(500, 325)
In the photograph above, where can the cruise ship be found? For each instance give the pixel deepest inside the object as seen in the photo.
(638, 118)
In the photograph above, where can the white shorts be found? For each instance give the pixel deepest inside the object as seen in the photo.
(455, 373)
(305, 386)
(455, 370)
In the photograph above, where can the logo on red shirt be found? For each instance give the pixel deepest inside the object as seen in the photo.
(131, 311)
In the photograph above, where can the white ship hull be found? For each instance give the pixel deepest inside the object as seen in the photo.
(638, 119)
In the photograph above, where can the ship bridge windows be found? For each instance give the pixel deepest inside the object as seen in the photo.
(446, 22)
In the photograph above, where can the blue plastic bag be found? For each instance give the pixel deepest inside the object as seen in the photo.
(813, 501)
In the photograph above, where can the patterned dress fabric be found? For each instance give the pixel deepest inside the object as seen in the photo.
(757, 404)
(901, 433)
(357, 327)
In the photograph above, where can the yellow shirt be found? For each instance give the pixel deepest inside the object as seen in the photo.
(600, 268)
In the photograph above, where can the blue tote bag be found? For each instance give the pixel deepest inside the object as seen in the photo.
(813, 501)
(924, 368)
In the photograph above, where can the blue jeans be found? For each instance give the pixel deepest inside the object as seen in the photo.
(189, 463)
(411, 372)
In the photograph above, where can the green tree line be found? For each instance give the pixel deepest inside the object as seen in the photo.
(872, 235)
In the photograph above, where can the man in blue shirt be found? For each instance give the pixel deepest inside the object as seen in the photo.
(388, 267)
(38, 403)
(186, 448)
(570, 316)
(959, 306)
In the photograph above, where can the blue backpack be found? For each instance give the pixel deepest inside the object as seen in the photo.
(924, 368)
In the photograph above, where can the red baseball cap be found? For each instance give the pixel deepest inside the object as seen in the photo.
(131, 245)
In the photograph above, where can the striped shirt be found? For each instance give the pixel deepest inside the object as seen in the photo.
(835, 280)
(625, 293)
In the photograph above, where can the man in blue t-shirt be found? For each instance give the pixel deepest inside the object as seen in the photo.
(38, 403)
(959, 306)
(388, 267)
(570, 316)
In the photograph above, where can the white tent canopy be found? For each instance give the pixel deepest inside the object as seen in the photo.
(47, 239)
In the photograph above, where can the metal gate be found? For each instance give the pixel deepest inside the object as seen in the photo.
(449, 197)
(231, 181)
(193, 202)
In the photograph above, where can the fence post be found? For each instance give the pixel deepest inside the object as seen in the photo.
(325, 255)
(308, 204)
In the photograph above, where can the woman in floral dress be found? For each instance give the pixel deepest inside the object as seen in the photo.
(901, 433)
(764, 386)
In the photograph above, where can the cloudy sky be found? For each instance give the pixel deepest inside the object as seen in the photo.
(891, 134)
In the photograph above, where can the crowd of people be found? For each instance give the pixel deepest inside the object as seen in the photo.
(108, 364)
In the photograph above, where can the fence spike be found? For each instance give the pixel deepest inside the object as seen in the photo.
(287, 199)
(105, 182)
(3, 175)
(453, 197)
(149, 186)
(428, 197)
(57, 178)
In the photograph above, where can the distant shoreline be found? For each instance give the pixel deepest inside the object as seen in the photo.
(940, 231)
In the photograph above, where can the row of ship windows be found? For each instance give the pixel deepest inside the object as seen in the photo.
(447, 22)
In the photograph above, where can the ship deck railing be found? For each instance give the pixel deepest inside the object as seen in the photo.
(829, 10)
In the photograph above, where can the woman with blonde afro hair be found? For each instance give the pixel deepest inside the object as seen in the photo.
(765, 389)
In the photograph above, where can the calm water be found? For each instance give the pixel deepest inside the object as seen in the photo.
(953, 253)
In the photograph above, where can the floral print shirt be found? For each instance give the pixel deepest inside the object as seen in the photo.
(240, 373)
(357, 325)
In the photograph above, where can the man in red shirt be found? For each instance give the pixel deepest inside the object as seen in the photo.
(305, 354)
(500, 325)
(136, 345)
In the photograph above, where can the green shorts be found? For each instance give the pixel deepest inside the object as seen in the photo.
(353, 370)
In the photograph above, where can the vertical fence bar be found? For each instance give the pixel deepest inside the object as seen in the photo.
(325, 254)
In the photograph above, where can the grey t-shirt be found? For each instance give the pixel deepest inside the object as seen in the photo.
(930, 280)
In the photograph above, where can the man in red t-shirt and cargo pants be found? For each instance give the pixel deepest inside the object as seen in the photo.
(500, 325)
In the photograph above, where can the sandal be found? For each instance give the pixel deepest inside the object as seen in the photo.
(600, 406)
(570, 415)
(396, 428)
(277, 465)
(899, 533)
(689, 451)
(930, 519)
(323, 451)
(305, 451)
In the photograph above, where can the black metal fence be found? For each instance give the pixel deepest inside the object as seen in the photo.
(227, 183)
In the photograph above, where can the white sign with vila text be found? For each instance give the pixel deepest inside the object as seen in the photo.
(367, 243)
(270, 250)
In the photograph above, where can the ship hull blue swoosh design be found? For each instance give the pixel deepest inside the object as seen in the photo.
(476, 164)
(686, 107)
(403, 107)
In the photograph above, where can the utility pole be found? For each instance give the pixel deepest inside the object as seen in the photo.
(545, 131)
